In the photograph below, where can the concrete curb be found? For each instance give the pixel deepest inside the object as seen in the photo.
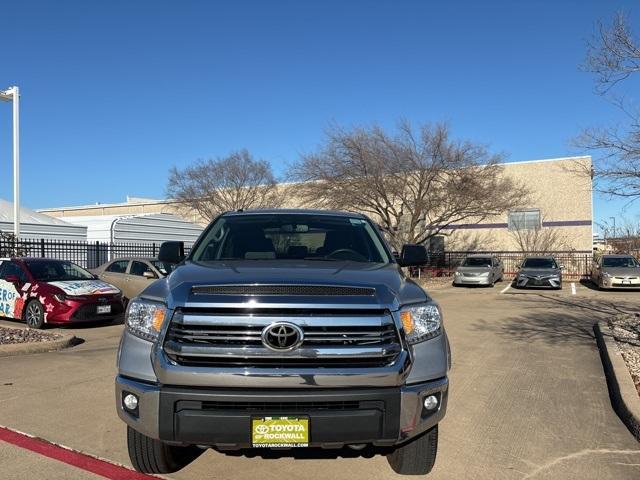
(622, 390)
(12, 349)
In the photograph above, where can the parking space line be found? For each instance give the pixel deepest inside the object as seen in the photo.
(573, 288)
(85, 462)
(505, 288)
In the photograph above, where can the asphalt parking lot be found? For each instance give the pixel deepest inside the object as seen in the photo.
(528, 398)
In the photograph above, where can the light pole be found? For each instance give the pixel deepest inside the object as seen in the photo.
(614, 226)
(12, 94)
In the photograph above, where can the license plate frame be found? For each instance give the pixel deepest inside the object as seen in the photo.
(103, 309)
(280, 431)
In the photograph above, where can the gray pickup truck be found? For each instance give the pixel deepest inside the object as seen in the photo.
(284, 329)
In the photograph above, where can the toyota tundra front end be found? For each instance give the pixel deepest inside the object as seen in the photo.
(284, 329)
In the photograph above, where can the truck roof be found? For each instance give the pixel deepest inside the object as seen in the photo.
(298, 211)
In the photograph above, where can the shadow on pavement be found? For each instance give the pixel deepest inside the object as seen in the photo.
(308, 453)
(556, 320)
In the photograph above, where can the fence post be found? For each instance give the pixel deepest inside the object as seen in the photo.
(154, 249)
(42, 247)
(97, 254)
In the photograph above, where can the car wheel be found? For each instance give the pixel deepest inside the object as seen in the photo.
(34, 314)
(149, 455)
(416, 457)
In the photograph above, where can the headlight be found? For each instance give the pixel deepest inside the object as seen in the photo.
(606, 275)
(421, 321)
(60, 297)
(457, 274)
(484, 274)
(145, 318)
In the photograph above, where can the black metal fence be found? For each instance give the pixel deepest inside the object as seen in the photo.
(85, 254)
(93, 254)
(576, 264)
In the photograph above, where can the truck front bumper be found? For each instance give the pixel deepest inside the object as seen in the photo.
(221, 418)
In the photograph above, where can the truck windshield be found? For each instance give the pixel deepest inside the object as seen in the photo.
(291, 237)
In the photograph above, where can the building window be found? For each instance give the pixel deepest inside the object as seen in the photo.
(524, 219)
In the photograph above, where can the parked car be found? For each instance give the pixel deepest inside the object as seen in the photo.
(616, 271)
(284, 328)
(479, 270)
(132, 275)
(539, 272)
(45, 291)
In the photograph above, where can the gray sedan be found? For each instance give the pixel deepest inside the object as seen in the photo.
(616, 271)
(479, 270)
(539, 272)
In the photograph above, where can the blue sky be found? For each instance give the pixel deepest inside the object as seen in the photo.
(114, 93)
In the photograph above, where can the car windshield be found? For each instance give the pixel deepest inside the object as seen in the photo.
(291, 236)
(477, 262)
(163, 267)
(620, 262)
(539, 263)
(56, 270)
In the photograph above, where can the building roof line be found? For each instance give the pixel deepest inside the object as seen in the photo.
(559, 159)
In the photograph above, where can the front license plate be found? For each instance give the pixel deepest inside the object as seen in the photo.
(104, 309)
(274, 432)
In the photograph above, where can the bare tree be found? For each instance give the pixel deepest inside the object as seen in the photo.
(542, 240)
(237, 181)
(626, 238)
(416, 184)
(10, 246)
(614, 56)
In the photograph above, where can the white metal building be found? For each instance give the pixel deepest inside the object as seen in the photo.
(146, 228)
(39, 225)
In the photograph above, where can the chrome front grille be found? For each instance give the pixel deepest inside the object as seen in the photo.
(330, 338)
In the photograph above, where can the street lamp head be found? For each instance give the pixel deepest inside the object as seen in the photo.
(8, 94)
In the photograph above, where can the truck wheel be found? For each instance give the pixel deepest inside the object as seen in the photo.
(416, 457)
(34, 314)
(149, 455)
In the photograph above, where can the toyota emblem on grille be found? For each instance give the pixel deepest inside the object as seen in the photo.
(282, 336)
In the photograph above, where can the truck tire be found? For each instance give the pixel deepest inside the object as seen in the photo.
(149, 455)
(416, 457)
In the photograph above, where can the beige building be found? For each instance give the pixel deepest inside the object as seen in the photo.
(557, 214)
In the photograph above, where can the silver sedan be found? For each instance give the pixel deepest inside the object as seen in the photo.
(616, 271)
(479, 270)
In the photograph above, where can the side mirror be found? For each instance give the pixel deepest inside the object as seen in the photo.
(13, 279)
(561, 267)
(149, 274)
(171, 252)
(413, 255)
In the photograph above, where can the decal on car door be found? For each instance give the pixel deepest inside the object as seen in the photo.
(8, 297)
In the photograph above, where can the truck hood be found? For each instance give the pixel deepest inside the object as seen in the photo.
(392, 288)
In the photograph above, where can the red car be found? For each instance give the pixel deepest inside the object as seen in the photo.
(45, 291)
